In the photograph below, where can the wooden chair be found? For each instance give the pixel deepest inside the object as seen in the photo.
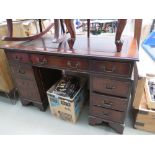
(70, 27)
(120, 28)
(10, 32)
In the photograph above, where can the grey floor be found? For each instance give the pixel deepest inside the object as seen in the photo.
(18, 119)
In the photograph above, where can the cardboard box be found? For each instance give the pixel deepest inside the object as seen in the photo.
(66, 108)
(150, 101)
(144, 117)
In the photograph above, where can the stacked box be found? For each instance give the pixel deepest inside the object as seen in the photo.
(144, 117)
(150, 93)
(67, 108)
(139, 92)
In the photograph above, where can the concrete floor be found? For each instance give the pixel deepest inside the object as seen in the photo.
(18, 119)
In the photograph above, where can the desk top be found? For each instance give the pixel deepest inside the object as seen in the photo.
(100, 47)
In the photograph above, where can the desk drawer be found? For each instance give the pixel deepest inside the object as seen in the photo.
(18, 57)
(109, 102)
(22, 71)
(61, 62)
(77, 64)
(110, 86)
(112, 67)
(28, 89)
(107, 114)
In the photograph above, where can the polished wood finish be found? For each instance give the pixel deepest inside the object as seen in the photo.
(40, 25)
(28, 89)
(18, 57)
(111, 102)
(120, 28)
(97, 121)
(88, 28)
(137, 30)
(22, 71)
(57, 27)
(112, 67)
(107, 114)
(110, 86)
(70, 27)
(10, 27)
(32, 82)
(109, 71)
(109, 99)
(76, 64)
(97, 48)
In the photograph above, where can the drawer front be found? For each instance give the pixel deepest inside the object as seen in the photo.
(77, 64)
(61, 62)
(110, 86)
(23, 71)
(28, 89)
(109, 102)
(107, 114)
(112, 67)
(18, 57)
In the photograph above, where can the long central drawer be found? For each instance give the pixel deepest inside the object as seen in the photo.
(78, 64)
(18, 57)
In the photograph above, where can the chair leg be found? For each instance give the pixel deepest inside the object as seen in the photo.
(88, 28)
(10, 27)
(40, 25)
(62, 26)
(71, 30)
(120, 28)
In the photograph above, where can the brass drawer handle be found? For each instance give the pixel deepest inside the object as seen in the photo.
(106, 103)
(110, 87)
(70, 65)
(18, 58)
(21, 71)
(42, 61)
(109, 71)
(105, 114)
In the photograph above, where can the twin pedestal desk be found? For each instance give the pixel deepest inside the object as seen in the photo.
(37, 64)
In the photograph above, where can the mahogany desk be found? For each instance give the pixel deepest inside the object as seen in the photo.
(32, 65)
